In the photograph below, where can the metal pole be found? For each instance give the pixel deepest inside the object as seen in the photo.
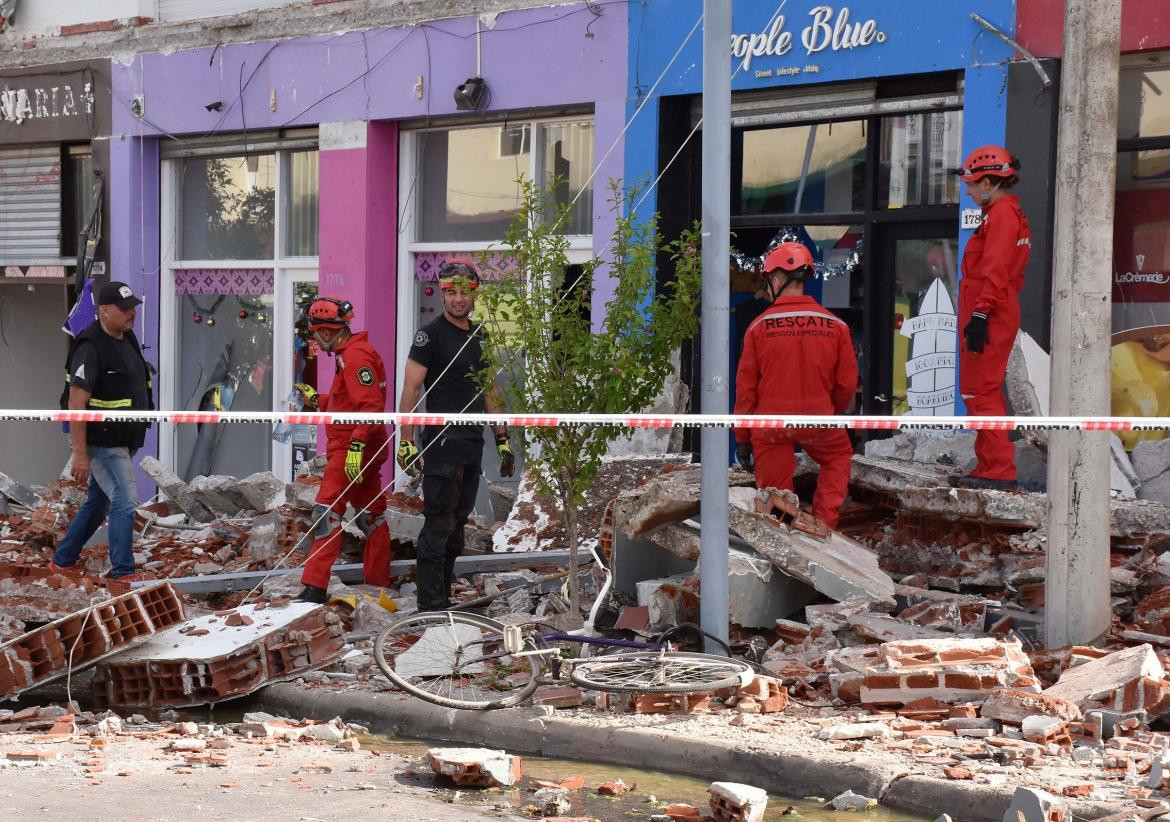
(713, 609)
(1077, 575)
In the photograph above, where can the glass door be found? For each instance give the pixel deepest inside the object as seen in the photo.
(915, 320)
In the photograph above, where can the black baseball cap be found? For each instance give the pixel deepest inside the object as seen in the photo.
(119, 294)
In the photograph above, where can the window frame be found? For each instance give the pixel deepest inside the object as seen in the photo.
(287, 271)
(580, 248)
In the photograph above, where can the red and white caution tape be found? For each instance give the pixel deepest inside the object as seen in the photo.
(861, 422)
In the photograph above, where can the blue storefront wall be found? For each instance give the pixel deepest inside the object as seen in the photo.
(803, 42)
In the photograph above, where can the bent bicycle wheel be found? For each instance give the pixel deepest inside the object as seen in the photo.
(655, 672)
(455, 660)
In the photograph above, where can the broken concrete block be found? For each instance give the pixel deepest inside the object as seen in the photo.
(850, 801)
(16, 492)
(950, 670)
(219, 494)
(176, 489)
(475, 767)
(1042, 729)
(438, 651)
(759, 594)
(1159, 778)
(1035, 805)
(302, 495)
(1151, 459)
(1127, 680)
(952, 448)
(883, 628)
(836, 566)
(553, 801)
(856, 730)
(671, 496)
(335, 730)
(733, 802)
(681, 539)
(670, 601)
(1151, 463)
(262, 537)
(1014, 706)
(263, 491)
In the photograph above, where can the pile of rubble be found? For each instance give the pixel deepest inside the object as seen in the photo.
(39, 732)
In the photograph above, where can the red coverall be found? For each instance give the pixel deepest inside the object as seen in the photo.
(359, 384)
(993, 274)
(798, 358)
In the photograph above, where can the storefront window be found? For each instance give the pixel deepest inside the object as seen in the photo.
(814, 169)
(300, 232)
(1141, 289)
(470, 192)
(568, 164)
(231, 300)
(1144, 102)
(918, 154)
(228, 207)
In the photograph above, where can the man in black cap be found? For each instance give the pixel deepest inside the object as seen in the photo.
(106, 372)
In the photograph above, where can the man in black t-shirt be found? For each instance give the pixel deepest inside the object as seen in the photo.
(446, 358)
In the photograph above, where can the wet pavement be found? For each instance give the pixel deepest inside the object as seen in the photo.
(651, 791)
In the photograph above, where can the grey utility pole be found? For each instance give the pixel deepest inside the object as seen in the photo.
(716, 313)
(1077, 576)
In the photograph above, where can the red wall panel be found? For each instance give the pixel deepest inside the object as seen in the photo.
(1145, 25)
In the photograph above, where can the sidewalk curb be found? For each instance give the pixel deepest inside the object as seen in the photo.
(520, 731)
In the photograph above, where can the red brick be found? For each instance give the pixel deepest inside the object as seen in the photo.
(882, 682)
(922, 681)
(88, 28)
(968, 682)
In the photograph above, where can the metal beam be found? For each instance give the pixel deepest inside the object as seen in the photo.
(352, 574)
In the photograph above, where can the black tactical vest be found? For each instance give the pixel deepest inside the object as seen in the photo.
(112, 392)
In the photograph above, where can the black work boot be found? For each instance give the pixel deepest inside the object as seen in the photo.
(311, 593)
(983, 483)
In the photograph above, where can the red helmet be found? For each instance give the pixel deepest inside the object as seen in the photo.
(989, 161)
(328, 312)
(789, 257)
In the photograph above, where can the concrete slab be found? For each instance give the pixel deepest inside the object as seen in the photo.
(221, 656)
(13, 490)
(836, 566)
(174, 487)
(435, 651)
(1131, 679)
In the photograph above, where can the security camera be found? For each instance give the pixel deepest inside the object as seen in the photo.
(469, 95)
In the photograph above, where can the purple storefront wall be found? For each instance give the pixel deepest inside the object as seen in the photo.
(533, 58)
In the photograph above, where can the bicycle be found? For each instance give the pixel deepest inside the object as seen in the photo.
(470, 662)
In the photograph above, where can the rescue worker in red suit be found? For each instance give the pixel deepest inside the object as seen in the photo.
(989, 307)
(354, 452)
(798, 358)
